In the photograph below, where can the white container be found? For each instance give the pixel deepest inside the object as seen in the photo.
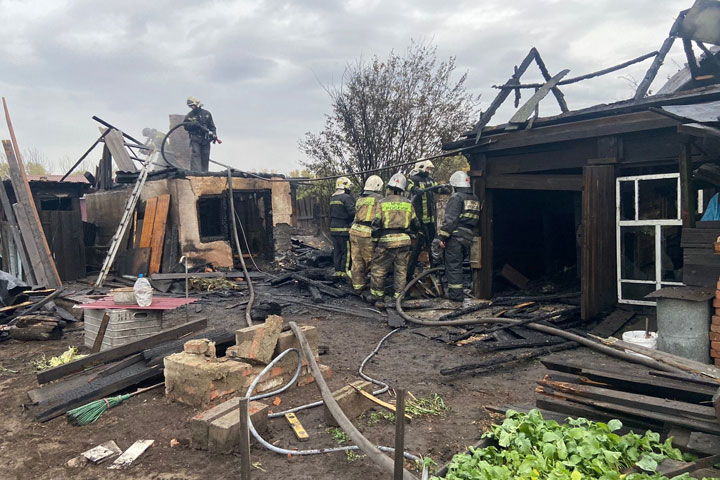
(124, 326)
(638, 337)
(124, 296)
(143, 291)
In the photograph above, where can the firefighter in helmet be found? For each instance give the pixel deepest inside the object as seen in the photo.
(394, 220)
(422, 187)
(362, 245)
(341, 212)
(462, 215)
(201, 128)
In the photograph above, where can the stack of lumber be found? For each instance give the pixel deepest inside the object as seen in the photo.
(32, 315)
(110, 371)
(639, 397)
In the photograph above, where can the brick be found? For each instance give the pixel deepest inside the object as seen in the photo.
(287, 340)
(715, 320)
(200, 423)
(715, 353)
(257, 343)
(715, 336)
(715, 346)
(717, 362)
(198, 380)
(352, 403)
(201, 346)
(306, 378)
(224, 431)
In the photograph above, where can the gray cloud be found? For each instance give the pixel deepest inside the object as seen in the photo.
(259, 66)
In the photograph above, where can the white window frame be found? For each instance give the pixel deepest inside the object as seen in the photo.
(636, 222)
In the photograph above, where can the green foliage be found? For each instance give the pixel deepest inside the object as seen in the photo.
(444, 167)
(431, 405)
(338, 435)
(533, 448)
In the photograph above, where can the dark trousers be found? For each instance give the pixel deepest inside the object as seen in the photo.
(200, 157)
(425, 239)
(455, 252)
(341, 254)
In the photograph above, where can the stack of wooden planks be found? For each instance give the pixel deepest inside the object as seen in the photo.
(640, 398)
(701, 267)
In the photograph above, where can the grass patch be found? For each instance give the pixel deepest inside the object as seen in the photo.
(42, 363)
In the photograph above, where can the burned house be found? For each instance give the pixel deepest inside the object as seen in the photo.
(606, 191)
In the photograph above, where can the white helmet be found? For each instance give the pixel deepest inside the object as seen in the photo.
(460, 179)
(424, 165)
(193, 102)
(373, 183)
(342, 183)
(398, 181)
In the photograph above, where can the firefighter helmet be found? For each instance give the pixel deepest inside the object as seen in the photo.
(424, 166)
(374, 184)
(398, 181)
(460, 179)
(342, 183)
(193, 102)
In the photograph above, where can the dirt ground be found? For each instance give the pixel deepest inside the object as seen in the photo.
(40, 450)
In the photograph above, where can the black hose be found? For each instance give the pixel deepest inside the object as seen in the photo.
(162, 147)
(248, 308)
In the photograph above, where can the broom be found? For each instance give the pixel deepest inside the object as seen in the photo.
(89, 413)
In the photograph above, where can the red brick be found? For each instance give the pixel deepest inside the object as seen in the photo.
(716, 304)
(715, 353)
(257, 343)
(716, 319)
(715, 327)
(715, 346)
(715, 336)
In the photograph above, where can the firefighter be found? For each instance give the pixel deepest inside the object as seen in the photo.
(342, 211)
(422, 187)
(201, 128)
(362, 245)
(394, 220)
(462, 214)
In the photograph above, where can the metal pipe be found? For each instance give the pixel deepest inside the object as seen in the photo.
(244, 440)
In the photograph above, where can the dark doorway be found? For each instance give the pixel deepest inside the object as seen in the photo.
(535, 233)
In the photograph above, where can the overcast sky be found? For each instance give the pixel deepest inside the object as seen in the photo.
(258, 65)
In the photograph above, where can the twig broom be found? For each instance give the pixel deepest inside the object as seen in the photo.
(89, 413)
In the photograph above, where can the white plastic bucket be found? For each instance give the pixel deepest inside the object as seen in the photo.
(638, 337)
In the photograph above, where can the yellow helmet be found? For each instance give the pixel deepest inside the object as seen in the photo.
(193, 102)
(424, 165)
(342, 183)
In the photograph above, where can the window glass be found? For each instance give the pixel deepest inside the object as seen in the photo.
(657, 199)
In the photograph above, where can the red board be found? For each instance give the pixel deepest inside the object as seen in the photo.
(158, 303)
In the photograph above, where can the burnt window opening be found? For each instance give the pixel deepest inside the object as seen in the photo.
(212, 217)
(254, 213)
(56, 203)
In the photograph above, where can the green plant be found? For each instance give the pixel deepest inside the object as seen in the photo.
(376, 417)
(42, 363)
(432, 405)
(338, 435)
(532, 448)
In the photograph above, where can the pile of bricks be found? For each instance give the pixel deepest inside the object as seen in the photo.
(715, 329)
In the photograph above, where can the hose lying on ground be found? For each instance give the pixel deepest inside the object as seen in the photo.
(648, 362)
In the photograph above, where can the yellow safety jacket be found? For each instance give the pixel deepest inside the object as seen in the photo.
(393, 221)
(364, 213)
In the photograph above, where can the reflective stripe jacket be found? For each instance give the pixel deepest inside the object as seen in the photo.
(394, 219)
(200, 122)
(364, 213)
(424, 201)
(342, 211)
(462, 214)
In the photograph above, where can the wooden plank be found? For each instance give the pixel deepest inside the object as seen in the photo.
(28, 239)
(133, 261)
(120, 352)
(115, 144)
(158, 232)
(148, 222)
(483, 277)
(688, 200)
(513, 276)
(692, 466)
(699, 130)
(554, 404)
(706, 443)
(10, 308)
(546, 75)
(131, 454)
(612, 323)
(102, 452)
(524, 112)
(535, 182)
(598, 283)
(101, 333)
(32, 232)
(17, 237)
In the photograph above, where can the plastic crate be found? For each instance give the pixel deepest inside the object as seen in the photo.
(125, 326)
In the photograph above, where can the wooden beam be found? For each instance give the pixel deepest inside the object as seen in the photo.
(698, 130)
(148, 223)
(535, 182)
(114, 142)
(597, 279)
(528, 108)
(651, 73)
(158, 233)
(555, 90)
(17, 237)
(120, 352)
(28, 238)
(690, 55)
(688, 201)
(483, 277)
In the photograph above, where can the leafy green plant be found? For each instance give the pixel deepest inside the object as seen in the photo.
(532, 448)
(431, 405)
(341, 437)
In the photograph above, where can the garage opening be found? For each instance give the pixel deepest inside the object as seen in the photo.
(535, 233)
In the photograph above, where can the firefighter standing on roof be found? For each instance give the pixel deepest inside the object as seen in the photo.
(462, 214)
(394, 220)
(424, 204)
(362, 245)
(342, 212)
(201, 128)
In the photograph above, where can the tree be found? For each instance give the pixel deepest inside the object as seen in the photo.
(33, 159)
(391, 111)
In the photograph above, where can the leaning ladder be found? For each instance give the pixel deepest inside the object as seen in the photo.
(125, 220)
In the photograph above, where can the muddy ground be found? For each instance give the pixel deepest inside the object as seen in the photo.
(40, 450)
